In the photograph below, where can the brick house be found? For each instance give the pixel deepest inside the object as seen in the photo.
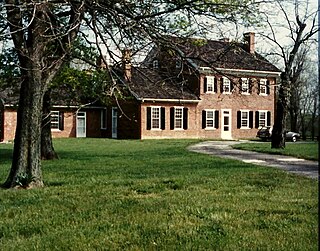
(67, 120)
(196, 89)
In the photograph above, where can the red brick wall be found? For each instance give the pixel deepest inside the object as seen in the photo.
(93, 125)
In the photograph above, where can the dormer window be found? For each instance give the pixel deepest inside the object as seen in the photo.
(155, 64)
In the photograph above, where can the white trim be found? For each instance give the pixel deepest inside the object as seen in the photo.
(168, 100)
(213, 119)
(159, 119)
(266, 73)
(248, 119)
(223, 82)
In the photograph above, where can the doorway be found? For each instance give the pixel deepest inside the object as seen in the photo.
(81, 125)
(226, 124)
(114, 122)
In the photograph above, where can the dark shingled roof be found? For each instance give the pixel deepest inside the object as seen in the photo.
(221, 54)
(149, 84)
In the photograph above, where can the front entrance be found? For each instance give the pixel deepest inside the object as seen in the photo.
(81, 125)
(114, 122)
(226, 124)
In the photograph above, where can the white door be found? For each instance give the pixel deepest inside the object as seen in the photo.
(81, 125)
(114, 122)
(226, 124)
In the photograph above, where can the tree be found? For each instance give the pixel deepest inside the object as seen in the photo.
(299, 34)
(43, 34)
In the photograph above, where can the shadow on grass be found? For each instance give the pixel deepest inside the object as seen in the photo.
(5, 155)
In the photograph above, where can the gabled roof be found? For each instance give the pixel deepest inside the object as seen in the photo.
(218, 54)
(149, 84)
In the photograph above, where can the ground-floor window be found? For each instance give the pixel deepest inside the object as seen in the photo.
(178, 118)
(210, 119)
(56, 120)
(245, 119)
(155, 118)
(263, 118)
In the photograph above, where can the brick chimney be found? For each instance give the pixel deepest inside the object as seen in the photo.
(126, 64)
(249, 40)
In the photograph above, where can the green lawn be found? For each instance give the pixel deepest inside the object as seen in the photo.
(305, 150)
(155, 195)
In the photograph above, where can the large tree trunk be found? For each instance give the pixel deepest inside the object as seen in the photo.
(26, 164)
(278, 139)
(47, 150)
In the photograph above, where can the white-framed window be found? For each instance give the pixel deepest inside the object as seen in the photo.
(262, 118)
(226, 85)
(210, 119)
(178, 118)
(244, 119)
(263, 88)
(245, 86)
(103, 119)
(209, 84)
(55, 120)
(156, 117)
(155, 64)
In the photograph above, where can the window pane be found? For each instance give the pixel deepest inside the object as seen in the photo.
(55, 120)
(244, 119)
(262, 118)
(155, 117)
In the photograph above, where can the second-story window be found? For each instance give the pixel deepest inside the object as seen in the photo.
(264, 87)
(226, 85)
(245, 86)
(210, 84)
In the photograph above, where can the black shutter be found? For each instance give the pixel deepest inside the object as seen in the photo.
(250, 85)
(216, 119)
(171, 118)
(259, 86)
(148, 118)
(204, 119)
(205, 84)
(221, 85)
(215, 87)
(163, 118)
(240, 85)
(61, 121)
(268, 87)
(257, 119)
(238, 119)
(268, 118)
(251, 119)
(185, 118)
(231, 85)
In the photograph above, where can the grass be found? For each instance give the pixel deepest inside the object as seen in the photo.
(155, 195)
(304, 150)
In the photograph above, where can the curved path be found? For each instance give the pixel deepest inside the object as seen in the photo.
(290, 164)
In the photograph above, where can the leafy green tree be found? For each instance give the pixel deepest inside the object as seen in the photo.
(43, 34)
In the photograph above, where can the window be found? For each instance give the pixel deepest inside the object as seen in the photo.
(226, 85)
(264, 88)
(155, 64)
(57, 120)
(245, 85)
(244, 119)
(178, 118)
(103, 119)
(210, 84)
(155, 118)
(263, 118)
(210, 119)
